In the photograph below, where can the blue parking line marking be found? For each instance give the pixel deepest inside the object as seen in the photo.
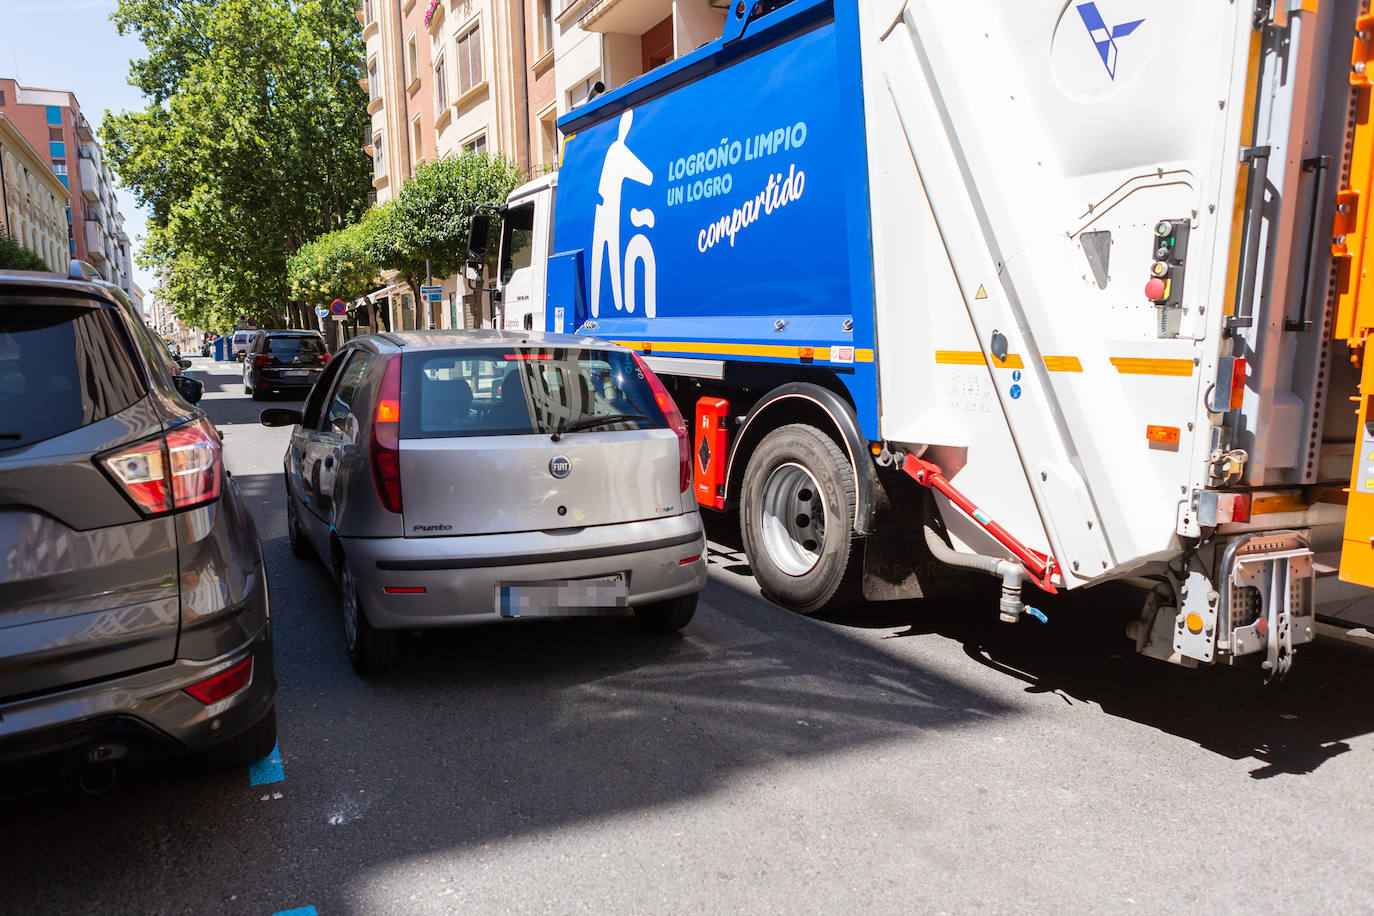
(298, 911)
(265, 771)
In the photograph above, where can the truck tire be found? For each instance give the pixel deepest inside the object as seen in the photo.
(797, 521)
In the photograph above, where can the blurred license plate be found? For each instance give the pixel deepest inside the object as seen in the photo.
(296, 373)
(562, 599)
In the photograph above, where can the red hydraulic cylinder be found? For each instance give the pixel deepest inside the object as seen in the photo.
(1040, 566)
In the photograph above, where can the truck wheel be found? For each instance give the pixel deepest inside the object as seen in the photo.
(797, 521)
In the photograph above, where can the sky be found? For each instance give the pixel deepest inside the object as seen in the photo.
(72, 45)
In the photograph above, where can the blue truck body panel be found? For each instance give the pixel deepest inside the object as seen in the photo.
(718, 207)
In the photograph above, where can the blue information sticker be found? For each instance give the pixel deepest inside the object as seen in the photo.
(1015, 392)
(1016, 375)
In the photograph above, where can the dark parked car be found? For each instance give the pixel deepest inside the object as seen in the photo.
(133, 597)
(451, 478)
(283, 361)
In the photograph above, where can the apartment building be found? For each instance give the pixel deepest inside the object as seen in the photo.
(443, 76)
(33, 203)
(52, 122)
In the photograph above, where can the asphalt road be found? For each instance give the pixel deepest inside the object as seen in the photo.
(916, 757)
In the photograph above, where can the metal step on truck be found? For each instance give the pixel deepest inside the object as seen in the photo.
(1064, 293)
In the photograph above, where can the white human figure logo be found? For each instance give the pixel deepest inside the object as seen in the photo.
(621, 165)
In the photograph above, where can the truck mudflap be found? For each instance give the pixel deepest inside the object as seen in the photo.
(1259, 601)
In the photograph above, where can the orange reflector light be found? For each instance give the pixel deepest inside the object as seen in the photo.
(403, 590)
(1167, 434)
(388, 411)
(1238, 383)
(226, 683)
(876, 449)
(806, 352)
(1194, 623)
(685, 560)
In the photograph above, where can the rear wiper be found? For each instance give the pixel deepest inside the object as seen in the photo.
(11, 435)
(592, 423)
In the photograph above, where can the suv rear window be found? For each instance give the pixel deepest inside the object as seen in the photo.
(61, 368)
(291, 347)
(515, 390)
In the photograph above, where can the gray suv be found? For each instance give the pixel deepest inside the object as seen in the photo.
(457, 477)
(133, 597)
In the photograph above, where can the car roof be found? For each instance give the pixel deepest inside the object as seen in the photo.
(291, 332)
(55, 285)
(483, 337)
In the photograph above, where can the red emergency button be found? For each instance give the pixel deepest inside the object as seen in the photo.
(1156, 289)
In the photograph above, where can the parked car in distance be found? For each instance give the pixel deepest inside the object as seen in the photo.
(457, 477)
(238, 344)
(280, 362)
(133, 596)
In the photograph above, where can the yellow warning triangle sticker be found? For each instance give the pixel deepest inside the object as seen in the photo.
(982, 292)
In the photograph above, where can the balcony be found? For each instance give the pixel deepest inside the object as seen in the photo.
(83, 130)
(90, 179)
(626, 17)
(95, 243)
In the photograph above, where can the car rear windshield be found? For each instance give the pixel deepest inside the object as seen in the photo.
(61, 368)
(510, 391)
(291, 347)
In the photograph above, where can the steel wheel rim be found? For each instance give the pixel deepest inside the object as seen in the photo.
(793, 519)
(350, 610)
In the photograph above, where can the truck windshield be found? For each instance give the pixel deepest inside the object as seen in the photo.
(513, 391)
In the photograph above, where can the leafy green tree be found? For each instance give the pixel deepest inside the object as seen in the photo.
(337, 265)
(428, 220)
(249, 147)
(14, 256)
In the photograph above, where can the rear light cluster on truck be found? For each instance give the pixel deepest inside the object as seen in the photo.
(385, 445)
(180, 469)
(674, 418)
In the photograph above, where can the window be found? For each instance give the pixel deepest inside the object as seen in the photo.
(2, 97)
(367, 11)
(440, 86)
(545, 26)
(373, 90)
(578, 94)
(548, 141)
(57, 150)
(412, 58)
(417, 136)
(54, 115)
(469, 60)
(378, 154)
(54, 133)
(59, 167)
(339, 418)
(61, 368)
(477, 145)
(513, 391)
(517, 240)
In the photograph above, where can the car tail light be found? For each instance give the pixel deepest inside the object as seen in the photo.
(179, 470)
(386, 439)
(324, 358)
(227, 683)
(674, 418)
(262, 360)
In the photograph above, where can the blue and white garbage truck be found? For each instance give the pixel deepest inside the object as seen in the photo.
(1064, 293)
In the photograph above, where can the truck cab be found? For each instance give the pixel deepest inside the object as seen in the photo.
(526, 237)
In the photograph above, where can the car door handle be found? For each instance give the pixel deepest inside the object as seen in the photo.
(328, 462)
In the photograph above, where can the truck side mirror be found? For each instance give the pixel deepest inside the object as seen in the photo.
(477, 236)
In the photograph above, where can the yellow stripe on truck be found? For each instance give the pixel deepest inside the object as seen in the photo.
(1130, 365)
(665, 347)
(975, 358)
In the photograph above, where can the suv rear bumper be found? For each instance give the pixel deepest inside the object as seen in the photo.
(141, 716)
(462, 576)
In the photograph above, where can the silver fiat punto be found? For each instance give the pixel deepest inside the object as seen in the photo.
(456, 477)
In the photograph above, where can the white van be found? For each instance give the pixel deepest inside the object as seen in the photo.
(239, 345)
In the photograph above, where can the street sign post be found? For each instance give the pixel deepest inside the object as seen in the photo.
(432, 294)
(338, 310)
(321, 311)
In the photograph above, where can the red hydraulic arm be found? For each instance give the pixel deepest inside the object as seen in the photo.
(1040, 567)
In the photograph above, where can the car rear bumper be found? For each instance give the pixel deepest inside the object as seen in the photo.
(137, 717)
(462, 577)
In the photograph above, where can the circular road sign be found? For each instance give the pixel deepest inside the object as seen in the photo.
(338, 307)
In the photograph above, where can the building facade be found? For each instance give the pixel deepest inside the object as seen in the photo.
(33, 203)
(443, 76)
(52, 122)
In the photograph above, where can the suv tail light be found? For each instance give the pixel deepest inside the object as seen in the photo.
(324, 358)
(226, 683)
(386, 439)
(262, 360)
(180, 469)
(674, 418)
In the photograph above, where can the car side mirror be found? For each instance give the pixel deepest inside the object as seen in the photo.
(184, 363)
(191, 390)
(275, 417)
